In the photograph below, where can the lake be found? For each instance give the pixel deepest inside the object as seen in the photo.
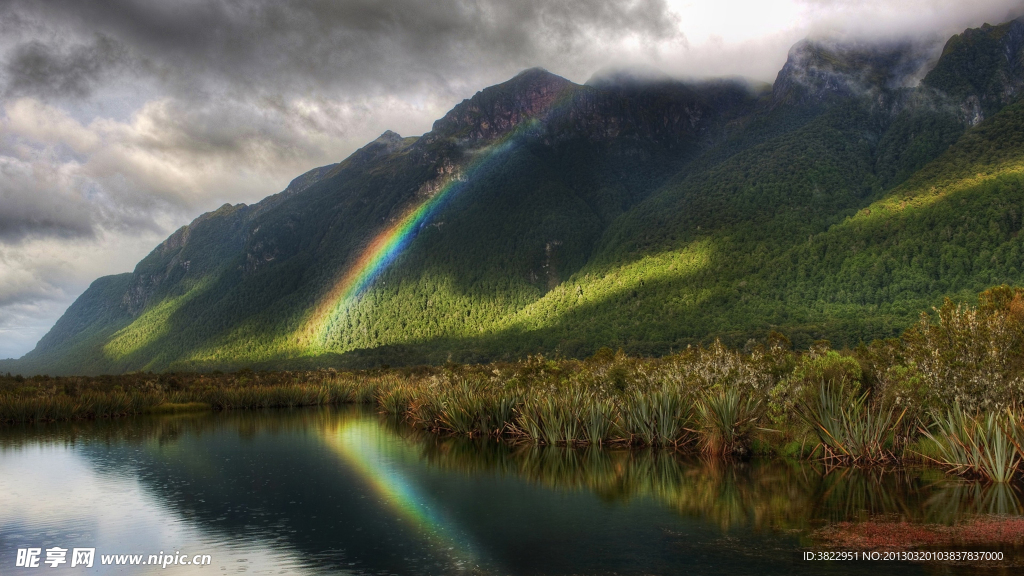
(348, 491)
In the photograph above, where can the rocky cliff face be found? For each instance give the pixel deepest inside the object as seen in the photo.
(187, 250)
(982, 70)
(494, 111)
(819, 71)
(607, 110)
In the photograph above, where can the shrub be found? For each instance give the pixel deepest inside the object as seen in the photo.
(973, 355)
(802, 386)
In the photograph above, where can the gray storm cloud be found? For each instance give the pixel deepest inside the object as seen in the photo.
(37, 68)
(360, 46)
(121, 120)
(251, 89)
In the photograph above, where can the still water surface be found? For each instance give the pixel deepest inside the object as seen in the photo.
(345, 491)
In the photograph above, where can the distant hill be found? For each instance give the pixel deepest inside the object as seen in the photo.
(866, 184)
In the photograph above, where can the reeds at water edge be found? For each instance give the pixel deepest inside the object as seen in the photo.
(851, 431)
(978, 445)
(714, 401)
(726, 419)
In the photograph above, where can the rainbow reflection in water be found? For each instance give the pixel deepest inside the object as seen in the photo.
(377, 456)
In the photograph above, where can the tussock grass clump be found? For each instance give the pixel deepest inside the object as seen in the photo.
(461, 406)
(497, 412)
(852, 431)
(598, 420)
(553, 421)
(975, 444)
(658, 418)
(725, 420)
(460, 409)
(395, 399)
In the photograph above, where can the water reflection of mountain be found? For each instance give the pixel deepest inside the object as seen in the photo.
(776, 494)
(348, 491)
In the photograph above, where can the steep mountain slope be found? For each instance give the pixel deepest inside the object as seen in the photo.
(526, 175)
(546, 215)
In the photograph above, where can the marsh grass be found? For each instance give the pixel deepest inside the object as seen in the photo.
(571, 415)
(177, 407)
(659, 418)
(394, 399)
(461, 406)
(86, 406)
(113, 397)
(549, 420)
(598, 420)
(923, 450)
(460, 409)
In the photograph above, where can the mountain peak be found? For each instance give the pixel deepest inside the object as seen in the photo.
(819, 69)
(535, 79)
(388, 138)
(982, 69)
(495, 110)
(631, 76)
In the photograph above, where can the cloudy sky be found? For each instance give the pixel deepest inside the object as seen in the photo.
(121, 120)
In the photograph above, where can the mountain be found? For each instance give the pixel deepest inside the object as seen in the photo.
(863, 186)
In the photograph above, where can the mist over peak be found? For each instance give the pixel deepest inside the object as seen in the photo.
(637, 74)
(817, 69)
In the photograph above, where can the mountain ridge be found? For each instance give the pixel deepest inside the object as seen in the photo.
(646, 214)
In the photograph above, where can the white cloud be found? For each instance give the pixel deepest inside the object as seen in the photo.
(41, 277)
(751, 38)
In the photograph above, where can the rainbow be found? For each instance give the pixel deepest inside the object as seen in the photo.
(385, 248)
(376, 455)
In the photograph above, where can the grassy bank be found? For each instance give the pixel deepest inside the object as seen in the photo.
(42, 398)
(949, 391)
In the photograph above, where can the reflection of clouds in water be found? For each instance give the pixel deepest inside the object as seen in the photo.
(51, 496)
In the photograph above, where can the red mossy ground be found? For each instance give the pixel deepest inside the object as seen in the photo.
(988, 531)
